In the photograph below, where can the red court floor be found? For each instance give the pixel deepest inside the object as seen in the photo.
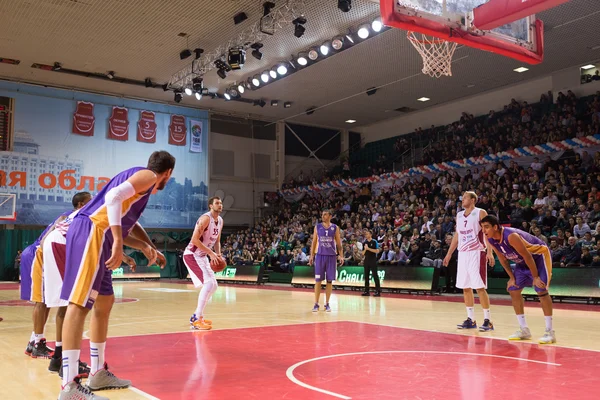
(351, 360)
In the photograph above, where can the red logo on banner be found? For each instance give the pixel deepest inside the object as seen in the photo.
(177, 130)
(118, 124)
(83, 119)
(146, 127)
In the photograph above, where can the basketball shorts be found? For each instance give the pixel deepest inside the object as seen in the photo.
(55, 248)
(86, 276)
(325, 268)
(37, 276)
(199, 268)
(472, 270)
(523, 277)
(27, 257)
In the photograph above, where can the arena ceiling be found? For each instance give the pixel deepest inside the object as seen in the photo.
(139, 39)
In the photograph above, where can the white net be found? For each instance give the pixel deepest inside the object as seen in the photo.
(436, 53)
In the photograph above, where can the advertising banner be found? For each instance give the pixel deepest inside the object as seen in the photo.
(196, 136)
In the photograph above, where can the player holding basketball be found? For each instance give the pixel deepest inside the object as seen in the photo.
(94, 248)
(206, 236)
(32, 285)
(326, 244)
(533, 268)
(472, 268)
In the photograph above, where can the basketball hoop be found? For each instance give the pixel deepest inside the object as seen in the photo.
(436, 53)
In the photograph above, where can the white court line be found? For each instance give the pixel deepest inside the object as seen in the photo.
(290, 371)
(142, 393)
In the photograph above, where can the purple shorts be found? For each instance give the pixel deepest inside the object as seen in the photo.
(325, 268)
(523, 277)
(86, 275)
(27, 257)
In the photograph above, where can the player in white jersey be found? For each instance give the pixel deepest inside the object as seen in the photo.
(472, 257)
(206, 237)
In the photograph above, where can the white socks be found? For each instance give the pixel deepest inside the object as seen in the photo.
(70, 363)
(522, 322)
(32, 337)
(97, 356)
(471, 313)
(487, 314)
(37, 337)
(206, 293)
(548, 323)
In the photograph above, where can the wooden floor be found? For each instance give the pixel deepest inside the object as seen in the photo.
(155, 308)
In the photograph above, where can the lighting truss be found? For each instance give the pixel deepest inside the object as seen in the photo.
(277, 19)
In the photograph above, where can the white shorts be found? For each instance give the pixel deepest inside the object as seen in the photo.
(199, 268)
(55, 246)
(472, 270)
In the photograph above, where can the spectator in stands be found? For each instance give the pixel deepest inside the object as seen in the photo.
(581, 228)
(571, 256)
(434, 257)
(415, 256)
(300, 258)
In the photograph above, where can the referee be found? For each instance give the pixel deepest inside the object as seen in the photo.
(370, 250)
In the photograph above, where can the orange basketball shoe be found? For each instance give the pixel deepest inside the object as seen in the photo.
(194, 319)
(201, 325)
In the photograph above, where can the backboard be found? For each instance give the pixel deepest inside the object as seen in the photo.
(8, 206)
(521, 39)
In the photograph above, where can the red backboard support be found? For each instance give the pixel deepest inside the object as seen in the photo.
(392, 15)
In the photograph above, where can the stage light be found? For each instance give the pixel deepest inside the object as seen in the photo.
(377, 25)
(287, 104)
(239, 18)
(345, 5)
(185, 54)
(241, 89)
(57, 66)
(299, 28)
(349, 37)
(110, 74)
(363, 32)
(259, 102)
(337, 43)
(313, 54)
(227, 96)
(274, 103)
(324, 49)
(236, 58)
(197, 84)
(198, 52)
(188, 91)
(256, 81)
(301, 60)
(177, 96)
(222, 74)
(233, 92)
(267, 7)
(273, 74)
(311, 110)
(264, 76)
(256, 50)
(198, 95)
(282, 69)
(148, 82)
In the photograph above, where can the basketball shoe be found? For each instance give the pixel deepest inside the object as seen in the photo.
(56, 366)
(104, 379)
(201, 325)
(316, 307)
(40, 350)
(193, 319)
(327, 308)
(467, 324)
(548, 338)
(74, 390)
(521, 334)
(487, 326)
(29, 348)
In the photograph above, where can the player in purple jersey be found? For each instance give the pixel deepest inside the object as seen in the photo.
(533, 267)
(32, 284)
(326, 244)
(95, 242)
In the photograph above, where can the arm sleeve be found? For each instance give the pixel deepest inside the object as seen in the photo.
(114, 199)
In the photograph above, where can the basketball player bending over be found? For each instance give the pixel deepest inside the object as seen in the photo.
(95, 242)
(207, 235)
(326, 243)
(533, 268)
(472, 268)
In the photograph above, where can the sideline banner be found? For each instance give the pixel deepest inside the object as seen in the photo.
(239, 273)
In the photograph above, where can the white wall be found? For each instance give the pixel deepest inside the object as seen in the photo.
(294, 164)
(241, 188)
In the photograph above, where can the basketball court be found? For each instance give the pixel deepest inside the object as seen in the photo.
(266, 343)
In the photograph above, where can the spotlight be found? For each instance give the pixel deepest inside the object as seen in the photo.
(349, 37)
(178, 96)
(274, 103)
(57, 66)
(110, 74)
(273, 74)
(148, 82)
(256, 81)
(377, 25)
(185, 54)
(236, 58)
(188, 91)
(371, 91)
(265, 77)
(165, 87)
(248, 84)
(198, 52)
(267, 7)
(241, 89)
(233, 91)
(282, 69)
(311, 110)
(227, 96)
(313, 54)
(198, 96)
(197, 84)
(239, 18)
(301, 60)
(363, 32)
(337, 43)
(345, 5)
(256, 52)
(287, 104)
(299, 28)
(222, 74)
(324, 49)
(259, 102)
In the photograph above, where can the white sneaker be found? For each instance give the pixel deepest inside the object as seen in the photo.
(548, 338)
(74, 390)
(521, 334)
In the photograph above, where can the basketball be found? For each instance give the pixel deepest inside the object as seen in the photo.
(220, 265)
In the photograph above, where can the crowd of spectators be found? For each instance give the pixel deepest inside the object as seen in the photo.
(555, 200)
